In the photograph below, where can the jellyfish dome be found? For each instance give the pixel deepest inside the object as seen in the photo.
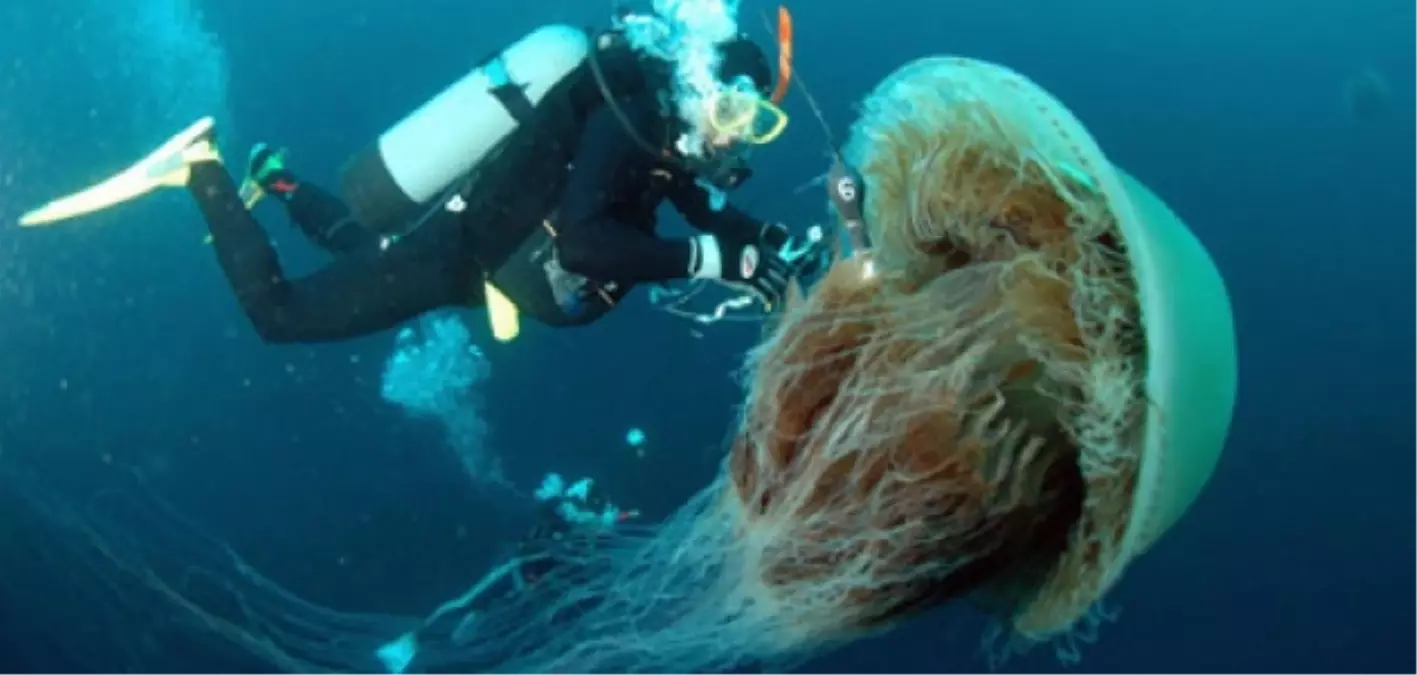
(1023, 381)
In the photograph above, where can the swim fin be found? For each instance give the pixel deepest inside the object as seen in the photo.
(167, 166)
(262, 162)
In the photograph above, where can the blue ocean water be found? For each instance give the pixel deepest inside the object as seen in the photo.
(125, 363)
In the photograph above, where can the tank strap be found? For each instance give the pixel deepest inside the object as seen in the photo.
(511, 95)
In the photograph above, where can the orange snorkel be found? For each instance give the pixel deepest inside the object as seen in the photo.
(784, 54)
(747, 120)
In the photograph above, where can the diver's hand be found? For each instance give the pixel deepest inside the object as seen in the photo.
(808, 255)
(755, 268)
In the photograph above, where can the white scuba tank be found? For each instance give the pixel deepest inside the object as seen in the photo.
(389, 184)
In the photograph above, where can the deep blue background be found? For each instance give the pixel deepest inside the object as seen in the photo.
(121, 349)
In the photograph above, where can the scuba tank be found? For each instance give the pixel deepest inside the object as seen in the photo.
(389, 184)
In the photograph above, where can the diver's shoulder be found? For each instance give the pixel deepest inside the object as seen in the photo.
(639, 114)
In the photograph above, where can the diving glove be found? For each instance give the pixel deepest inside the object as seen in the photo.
(808, 255)
(764, 268)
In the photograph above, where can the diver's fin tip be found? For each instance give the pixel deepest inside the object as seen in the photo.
(167, 166)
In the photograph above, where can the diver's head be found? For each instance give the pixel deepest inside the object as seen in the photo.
(741, 111)
(741, 57)
(733, 115)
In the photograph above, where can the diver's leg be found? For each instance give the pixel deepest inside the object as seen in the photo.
(319, 215)
(242, 248)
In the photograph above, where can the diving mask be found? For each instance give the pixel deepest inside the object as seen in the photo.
(741, 115)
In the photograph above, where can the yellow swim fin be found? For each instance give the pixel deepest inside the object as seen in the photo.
(168, 166)
(502, 314)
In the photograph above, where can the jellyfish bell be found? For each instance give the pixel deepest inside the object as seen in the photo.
(1022, 384)
(1019, 379)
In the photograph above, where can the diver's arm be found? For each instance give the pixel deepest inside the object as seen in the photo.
(608, 165)
(358, 294)
(693, 202)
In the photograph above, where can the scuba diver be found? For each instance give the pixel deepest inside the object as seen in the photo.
(571, 519)
(529, 186)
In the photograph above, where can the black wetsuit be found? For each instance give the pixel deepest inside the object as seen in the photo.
(585, 193)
